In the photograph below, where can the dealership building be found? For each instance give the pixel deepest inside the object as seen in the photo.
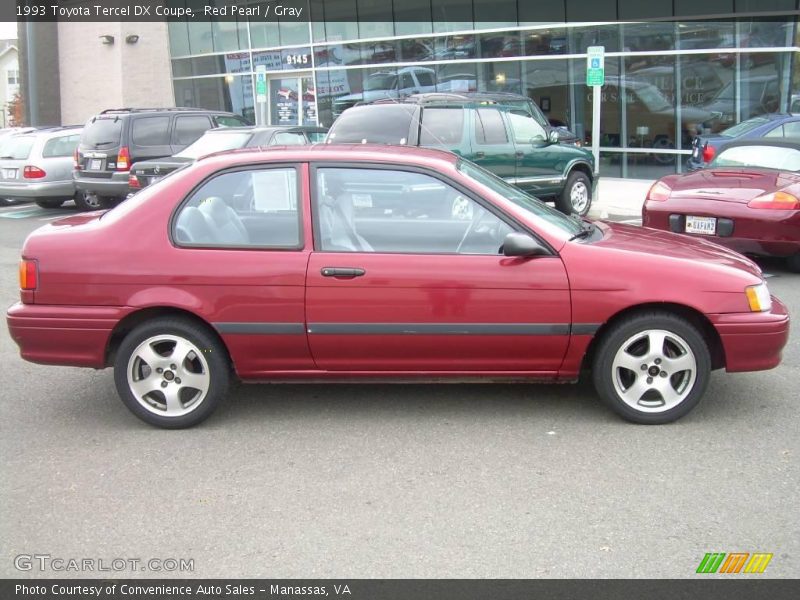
(672, 69)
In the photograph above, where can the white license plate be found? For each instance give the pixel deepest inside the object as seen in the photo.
(95, 164)
(156, 178)
(9, 173)
(703, 225)
(696, 152)
(362, 201)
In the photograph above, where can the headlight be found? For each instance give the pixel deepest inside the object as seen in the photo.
(758, 297)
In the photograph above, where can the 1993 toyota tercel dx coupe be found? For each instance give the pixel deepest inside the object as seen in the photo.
(370, 263)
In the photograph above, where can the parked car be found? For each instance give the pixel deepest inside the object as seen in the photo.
(116, 139)
(565, 136)
(775, 125)
(146, 172)
(507, 141)
(757, 95)
(266, 266)
(389, 84)
(37, 166)
(747, 199)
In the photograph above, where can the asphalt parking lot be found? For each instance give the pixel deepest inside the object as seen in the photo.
(395, 481)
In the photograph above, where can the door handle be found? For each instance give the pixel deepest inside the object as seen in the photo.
(480, 154)
(342, 272)
(519, 154)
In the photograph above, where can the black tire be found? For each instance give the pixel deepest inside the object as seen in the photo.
(89, 201)
(606, 377)
(579, 182)
(793, 262)
(213, 361)
(49, 203)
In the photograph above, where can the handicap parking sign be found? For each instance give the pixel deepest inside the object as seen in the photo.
(595, 63)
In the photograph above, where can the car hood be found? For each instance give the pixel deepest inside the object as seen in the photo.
(664, 244)
(732, 184)
(167, 164)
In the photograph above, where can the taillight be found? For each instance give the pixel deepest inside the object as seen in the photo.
(123, 159)
(777, 200)
(708, 152)
(659, 192)
(28, 274)
(76, 160)
(31, 172)
(133, 181)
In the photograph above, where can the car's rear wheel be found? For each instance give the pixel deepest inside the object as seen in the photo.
(652, 368)
(576, 197)
(49, 203)
(171, 372)
(91, 201)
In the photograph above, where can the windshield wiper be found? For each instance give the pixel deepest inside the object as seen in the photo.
(587, 228)
(96, 144)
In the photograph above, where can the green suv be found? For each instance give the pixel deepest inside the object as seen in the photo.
(503, 139)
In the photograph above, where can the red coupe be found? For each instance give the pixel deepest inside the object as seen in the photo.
(747, 199)
(381, 263)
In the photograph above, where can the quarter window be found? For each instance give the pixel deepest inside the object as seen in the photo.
(242, 209)
(287, 138)
(383, 210)
(151, 131)
(60, 146)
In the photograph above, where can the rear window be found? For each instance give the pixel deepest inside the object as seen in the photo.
(216, 142)
(60, 146)
(102, 132)
(151, 131)
(17, 148)
(765, 157)
(389, 124)
(441, 126)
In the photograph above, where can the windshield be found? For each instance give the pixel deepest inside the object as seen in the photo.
(765, 157)
(529, 203)
(215, 142)
(17, 148)
(379, 81)
(102, 132)
(744, 127)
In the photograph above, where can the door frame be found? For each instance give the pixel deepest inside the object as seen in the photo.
(299, 76)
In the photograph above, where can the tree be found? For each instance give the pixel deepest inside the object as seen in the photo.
(16, 111)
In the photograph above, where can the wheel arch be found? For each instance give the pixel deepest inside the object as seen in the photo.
(694, 316)
(142, 315)
(581, 166)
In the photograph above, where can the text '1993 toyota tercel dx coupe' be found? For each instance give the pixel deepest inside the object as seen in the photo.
(331, 262)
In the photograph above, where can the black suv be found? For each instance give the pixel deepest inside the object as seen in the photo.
(116, 139)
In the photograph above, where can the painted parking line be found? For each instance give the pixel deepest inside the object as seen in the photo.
(20, 213)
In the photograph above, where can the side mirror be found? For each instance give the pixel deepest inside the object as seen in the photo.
(552, 137)
(522, 244)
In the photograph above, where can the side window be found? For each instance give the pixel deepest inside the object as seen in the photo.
(441, 126)
(189, 128)
(524, 128)
(489, 127)
(406, 81)
(243, 209)
(384, 210)
(288, 138)
(150, 131)
(61, 146)
(230, 121)
(425, 79)
(791, 129)
(778, 132)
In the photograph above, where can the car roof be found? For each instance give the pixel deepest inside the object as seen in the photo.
(792, 143)
(380, 153)
(263, 128)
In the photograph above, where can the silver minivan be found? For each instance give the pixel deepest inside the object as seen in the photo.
(37, 165)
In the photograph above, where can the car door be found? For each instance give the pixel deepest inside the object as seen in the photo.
(538, 161)
(492, 147)
(391, 289)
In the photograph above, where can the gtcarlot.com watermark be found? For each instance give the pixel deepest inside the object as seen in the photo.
(48, 563)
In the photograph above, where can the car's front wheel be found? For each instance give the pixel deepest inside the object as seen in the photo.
(576, 197)
(48, 203)
(652, 368)
(171, 372)
(793, 262)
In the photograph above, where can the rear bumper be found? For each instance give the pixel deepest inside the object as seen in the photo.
(753, 341)
(34, 191)
(63, 335)
(116, 186)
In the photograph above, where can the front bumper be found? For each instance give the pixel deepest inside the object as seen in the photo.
(63, 335)
(38, 190)
(753, 341)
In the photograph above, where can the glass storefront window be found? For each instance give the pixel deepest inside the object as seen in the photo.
(230, 93)
(178, 38)
(547, 83)
(451, 15)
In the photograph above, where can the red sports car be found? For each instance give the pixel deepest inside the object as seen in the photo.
(747, 199)
(306, 264)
